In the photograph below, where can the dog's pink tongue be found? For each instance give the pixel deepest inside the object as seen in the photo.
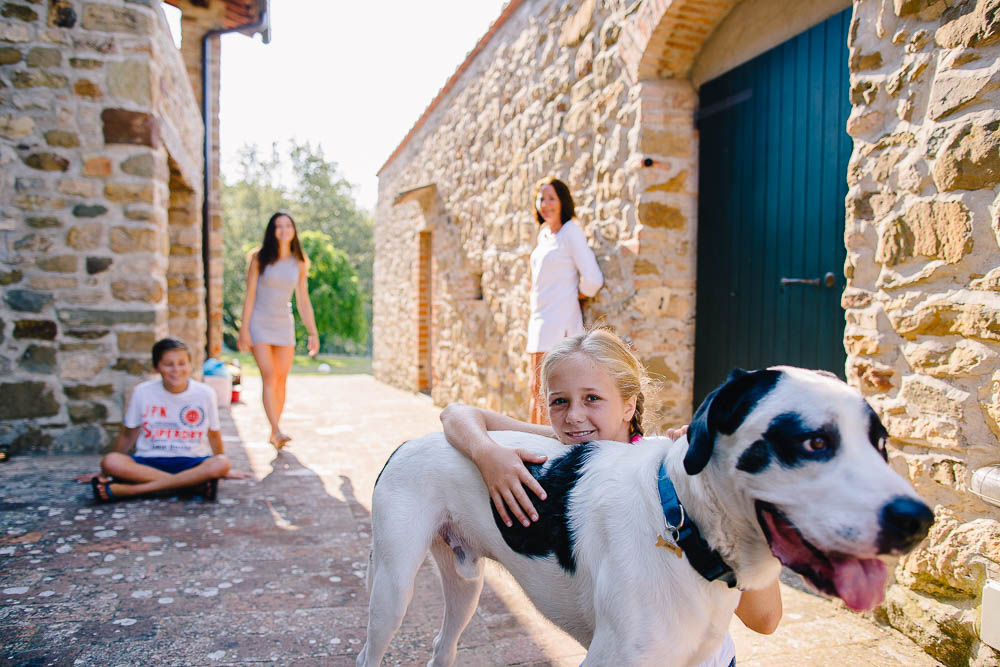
(860, 582)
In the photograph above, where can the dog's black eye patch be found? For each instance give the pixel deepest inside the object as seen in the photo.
(794, 443)
(877, 434)
(551, 534)
(754, 458)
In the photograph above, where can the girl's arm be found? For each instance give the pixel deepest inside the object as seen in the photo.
(126, 439)
(306, 309)
(243, 342)
(761, 610)
(502, 469)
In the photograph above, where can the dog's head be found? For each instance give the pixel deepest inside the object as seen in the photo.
(809, 452)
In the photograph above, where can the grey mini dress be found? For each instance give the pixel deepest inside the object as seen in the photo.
(271, 321)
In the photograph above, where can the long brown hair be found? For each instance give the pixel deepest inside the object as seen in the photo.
(268, 252)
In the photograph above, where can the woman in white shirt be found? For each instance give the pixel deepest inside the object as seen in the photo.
(563, 271)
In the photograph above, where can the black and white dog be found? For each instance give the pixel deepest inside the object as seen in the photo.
(640, 551)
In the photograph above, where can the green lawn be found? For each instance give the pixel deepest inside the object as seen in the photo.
(306, 365)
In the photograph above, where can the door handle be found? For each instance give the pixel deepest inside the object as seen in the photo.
(829, 280)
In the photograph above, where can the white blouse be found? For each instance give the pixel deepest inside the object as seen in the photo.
(562, 264)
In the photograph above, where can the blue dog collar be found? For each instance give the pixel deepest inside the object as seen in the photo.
(686, 536)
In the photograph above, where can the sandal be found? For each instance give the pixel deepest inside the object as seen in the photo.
(210, 490)
(97, 485)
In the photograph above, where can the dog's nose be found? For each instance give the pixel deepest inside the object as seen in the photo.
(905, 522)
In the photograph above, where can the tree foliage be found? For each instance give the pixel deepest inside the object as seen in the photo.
(321, 201)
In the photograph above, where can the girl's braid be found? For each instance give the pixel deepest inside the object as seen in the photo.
(635, 426)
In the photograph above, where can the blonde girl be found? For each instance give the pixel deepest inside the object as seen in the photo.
(593, 386)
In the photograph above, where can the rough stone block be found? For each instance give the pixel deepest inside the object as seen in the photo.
(939, 230)
(139, 212)
(133, 366)
(129, 127)
(130, 79)
(27, 183)
(89, 210)
(19, 12)
(954, 90)
(89, 412)
(135, 342)
(97, 167)
(87, 334)
(37, 202)
(981, 27)
(108, 18)
(10, 56)
(10, 277)
(43, 56)
(27, 400)
(139, 165)
(16, 127)
(577, 26)
(62, 138)
(77, 317)
(77, 187)
(655, 214)
(128, 239)
(85, 237)
(87, 88)
(84, 392)
(137, 290)
(89, 439)
(35, 329)
(38, 359)
(971, 161)
(43, 222)
(58, 263)
(38, 79)
(97, 264)
(665, 143)
(62, 14)
(47, 162)
(26, 301)
(81, 366)
(53, 282)
(85, 63)
(129, 192)
(947, 633)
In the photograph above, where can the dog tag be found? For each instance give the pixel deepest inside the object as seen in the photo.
(660, 542)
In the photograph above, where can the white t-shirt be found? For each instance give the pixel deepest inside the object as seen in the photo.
(173, 424)
(561, 265)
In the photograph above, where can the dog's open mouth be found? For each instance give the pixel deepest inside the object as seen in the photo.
(859, 582)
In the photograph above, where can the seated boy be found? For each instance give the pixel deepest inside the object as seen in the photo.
(167, 420)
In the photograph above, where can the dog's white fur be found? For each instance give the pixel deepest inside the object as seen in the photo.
(630, 602)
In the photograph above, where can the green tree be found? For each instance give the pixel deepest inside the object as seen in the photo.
(336, 300)
(320, 200)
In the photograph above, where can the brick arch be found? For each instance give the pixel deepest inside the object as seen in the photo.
(668, 35)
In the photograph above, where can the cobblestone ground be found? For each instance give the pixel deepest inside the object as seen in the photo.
(273, 572)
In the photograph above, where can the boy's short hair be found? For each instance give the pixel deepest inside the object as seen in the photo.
(164, 345)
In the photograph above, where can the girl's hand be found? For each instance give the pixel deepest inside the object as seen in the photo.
(243, 342)
(674, 433)
(506, 476)
(313, 345)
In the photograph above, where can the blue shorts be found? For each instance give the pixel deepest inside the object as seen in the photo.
(170, 464)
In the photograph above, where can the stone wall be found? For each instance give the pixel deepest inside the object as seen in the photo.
(548, 95)
(923, 296)
(99, 145)
(600, 94)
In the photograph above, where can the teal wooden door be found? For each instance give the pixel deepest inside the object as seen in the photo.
(772, 181)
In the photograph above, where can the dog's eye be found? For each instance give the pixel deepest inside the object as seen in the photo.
(815, 443)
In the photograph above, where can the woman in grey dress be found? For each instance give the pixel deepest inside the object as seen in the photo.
(277, 268)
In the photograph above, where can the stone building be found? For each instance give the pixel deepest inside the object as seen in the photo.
(110, 229)
(763, 181)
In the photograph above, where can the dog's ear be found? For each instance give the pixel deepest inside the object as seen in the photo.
(723, 411)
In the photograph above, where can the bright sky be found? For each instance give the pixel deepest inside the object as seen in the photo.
(351, 76)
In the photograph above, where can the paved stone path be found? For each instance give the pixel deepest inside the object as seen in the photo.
(273, 572)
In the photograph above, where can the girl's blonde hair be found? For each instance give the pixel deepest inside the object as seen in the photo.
(614, 355)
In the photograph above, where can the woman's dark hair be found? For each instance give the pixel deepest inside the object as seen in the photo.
(164, 345)
(566, 210)
(268, 251)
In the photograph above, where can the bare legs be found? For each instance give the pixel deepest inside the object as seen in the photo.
(274, 362)
(539, 411)
(140, 479)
